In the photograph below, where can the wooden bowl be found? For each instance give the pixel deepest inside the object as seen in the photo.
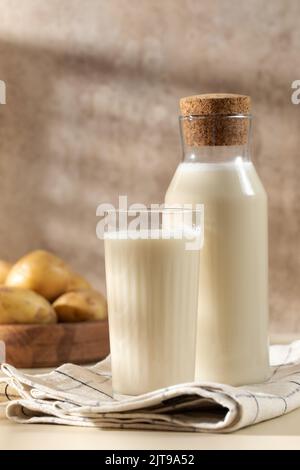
(29, 346)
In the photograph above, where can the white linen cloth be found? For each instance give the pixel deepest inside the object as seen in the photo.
(82, 396)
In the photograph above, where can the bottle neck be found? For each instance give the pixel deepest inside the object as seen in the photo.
(215, 138)
(216, 154)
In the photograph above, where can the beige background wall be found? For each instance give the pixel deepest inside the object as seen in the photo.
(92, 92)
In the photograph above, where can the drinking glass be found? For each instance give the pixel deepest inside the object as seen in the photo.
(152, 268)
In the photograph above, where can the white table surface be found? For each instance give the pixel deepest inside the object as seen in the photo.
(279, 433)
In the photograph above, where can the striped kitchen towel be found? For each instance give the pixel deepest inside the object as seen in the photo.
(82, 396)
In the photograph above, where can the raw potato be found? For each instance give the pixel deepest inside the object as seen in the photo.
(5, 267)
(44, 273)
(84, 305)
(77, 282)
(24, 306)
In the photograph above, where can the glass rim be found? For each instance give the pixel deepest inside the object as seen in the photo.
(216, 115)
(153, 210)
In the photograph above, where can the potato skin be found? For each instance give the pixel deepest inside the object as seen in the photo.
(5, 267)
(77, 282)
(46, 274)
(81, 305)
(41, 272)
(24, 306)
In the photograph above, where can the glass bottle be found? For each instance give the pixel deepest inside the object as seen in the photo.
(232, 332)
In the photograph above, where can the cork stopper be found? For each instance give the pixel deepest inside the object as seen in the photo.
(215, 119)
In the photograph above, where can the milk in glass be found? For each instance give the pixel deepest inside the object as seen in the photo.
(152, 293)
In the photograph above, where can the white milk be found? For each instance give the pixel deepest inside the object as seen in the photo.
(233, 283)
(152, 290)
